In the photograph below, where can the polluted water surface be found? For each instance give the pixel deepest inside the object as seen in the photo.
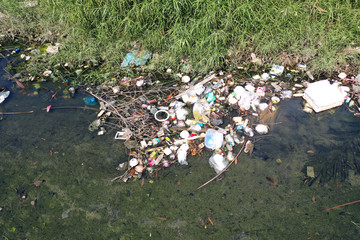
(267, 195)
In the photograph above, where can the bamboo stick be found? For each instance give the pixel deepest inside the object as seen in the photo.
(345, 204)
(15, 113)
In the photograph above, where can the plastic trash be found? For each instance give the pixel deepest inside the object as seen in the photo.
(276, 87)
(181, 113)
(191, 99)
(310, 171)
(195, 128)
(210, 97)
(213, 139)
(230, 140)
(185, 79)
(4, 95)
(167, 151)
(140, 83)
(184, 134)
(276, 70)
(182, 154)
(301, 66)
(357, 79)
(238, 91)
(72, 91)
(260, 91)
(90, 101)
(230, 156)
(250, 88)
(201, 111)
(342, 75)
(218, 162)
(286, 94)
(245, 100)
(263, 106)
(322, 95)
(94, 125)
(123, 135)
(275, 100)
(161, 116)
(248, 131)
(261, 129)
(136, 58)
(216, 121)
(232, 99)
(155, 141)
(133, 162)
(265, 77)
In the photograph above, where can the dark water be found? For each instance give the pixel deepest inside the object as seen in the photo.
(77, 200)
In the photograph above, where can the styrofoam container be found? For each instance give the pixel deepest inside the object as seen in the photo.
(322, 95)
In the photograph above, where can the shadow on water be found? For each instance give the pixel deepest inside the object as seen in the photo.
(330, 139)
(55, 180)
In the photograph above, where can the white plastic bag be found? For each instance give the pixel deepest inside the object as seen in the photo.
(181, 113)
(218, 162)
(182, 154)
(4, 95)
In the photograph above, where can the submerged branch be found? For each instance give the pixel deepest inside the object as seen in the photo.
(226, 168)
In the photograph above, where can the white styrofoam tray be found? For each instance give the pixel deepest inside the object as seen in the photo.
(322, 95)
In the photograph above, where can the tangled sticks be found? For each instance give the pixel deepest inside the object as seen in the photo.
(129, 107)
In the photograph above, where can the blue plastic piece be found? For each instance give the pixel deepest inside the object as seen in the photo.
(15, 51)
(90, 101)
(210, 97)
(135, 58)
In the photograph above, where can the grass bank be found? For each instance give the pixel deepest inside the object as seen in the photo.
(208, 34)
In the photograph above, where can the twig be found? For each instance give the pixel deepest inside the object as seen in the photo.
(345, 204)
(226, 168)
(73, 107)
(116, 178)
(15, 113)
(356, 224)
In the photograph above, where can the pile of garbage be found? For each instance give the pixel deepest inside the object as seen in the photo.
(217, 112)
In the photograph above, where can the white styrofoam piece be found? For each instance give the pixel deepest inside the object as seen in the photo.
(322, 95)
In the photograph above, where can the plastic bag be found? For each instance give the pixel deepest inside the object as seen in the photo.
(245, 100)
(4, 95)
(238, 91)
(191, 99)
(201, 111)
(213, 139)
(181, 113)
(218, 162)
(136, 58)
(182, 153)
(90, 101)
(210, 97)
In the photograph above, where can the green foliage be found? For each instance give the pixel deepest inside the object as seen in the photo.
(315, 32)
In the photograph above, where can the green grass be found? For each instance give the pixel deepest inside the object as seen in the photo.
(323, 34)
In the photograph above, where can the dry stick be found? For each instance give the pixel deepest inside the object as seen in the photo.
(75, 107)
(345, 204)
(107, 103)
(15, 113)
(118, 177)
(226, 168)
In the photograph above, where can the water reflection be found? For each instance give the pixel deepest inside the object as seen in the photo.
(329, 141)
